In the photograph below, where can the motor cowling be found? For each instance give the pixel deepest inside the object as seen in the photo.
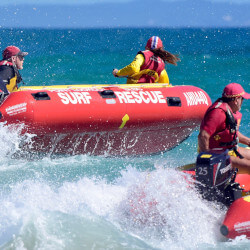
(215, 177)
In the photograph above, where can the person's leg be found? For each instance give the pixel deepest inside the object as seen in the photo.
(242, 164)
(245, 152)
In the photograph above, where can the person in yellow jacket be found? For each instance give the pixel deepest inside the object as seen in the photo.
(149, 65)
(10, 65)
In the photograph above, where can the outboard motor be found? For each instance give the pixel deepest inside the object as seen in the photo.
(215, 177)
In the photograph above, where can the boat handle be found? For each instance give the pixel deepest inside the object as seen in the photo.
(107, 93)
(41, 96)
(174, 101)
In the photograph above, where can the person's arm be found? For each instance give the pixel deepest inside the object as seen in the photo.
(6, 73)
(8, 79)
(243, 139)
(133, 67)
(3, 88)
(203, 140)
(163, 78)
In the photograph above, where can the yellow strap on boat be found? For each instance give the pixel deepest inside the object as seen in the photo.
(190, 166)
(136, 76)
(125, 118)
(11, 86)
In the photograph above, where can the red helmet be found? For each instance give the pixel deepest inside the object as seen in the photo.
(154, 43)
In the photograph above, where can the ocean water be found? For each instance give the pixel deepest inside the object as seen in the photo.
(98, 202)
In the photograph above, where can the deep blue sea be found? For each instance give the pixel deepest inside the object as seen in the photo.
(97, 202)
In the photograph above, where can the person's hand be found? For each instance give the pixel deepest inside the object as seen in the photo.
(114, 72)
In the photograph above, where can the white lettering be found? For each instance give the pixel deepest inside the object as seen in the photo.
(79, 97)
(87, 97)
(152, 97)
(129, 97)
(225, 169)
(64, 99)
(195, 98)
(121, 97)
(137, 97)
(75, 97)
(160, 97)
(141, 96)
(245, 224)
(16, 109)
(146, 100)
(72, 98)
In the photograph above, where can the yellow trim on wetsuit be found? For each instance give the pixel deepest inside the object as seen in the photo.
(12, 86)
(135, 66)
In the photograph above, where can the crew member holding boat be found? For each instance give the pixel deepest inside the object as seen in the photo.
(148, 65)
(10, 65)
(220, 127)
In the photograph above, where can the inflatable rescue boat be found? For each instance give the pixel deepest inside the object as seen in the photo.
(217, 181)
(105, 119)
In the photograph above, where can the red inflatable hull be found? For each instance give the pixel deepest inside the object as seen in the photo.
(112, 120)
(237, 220)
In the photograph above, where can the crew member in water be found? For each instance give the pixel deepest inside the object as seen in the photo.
(10, 65)
(220, 127)
(150, 62)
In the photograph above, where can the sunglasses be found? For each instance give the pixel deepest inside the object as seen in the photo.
(241, 98)
(20, 58)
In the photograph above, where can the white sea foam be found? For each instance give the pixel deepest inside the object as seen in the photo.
(11, 140)
(140, 210)
(90, 202)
